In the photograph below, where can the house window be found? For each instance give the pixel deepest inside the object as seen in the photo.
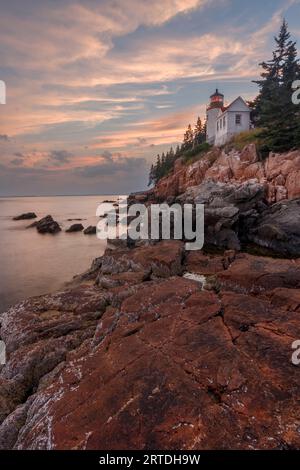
(238, 119)
(217, 125)
(220, 123)
(224, 120)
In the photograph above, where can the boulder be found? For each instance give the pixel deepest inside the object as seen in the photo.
(278, 228)
(206, 264)
(46, 225)
(226, 205)
(26, 216)
(156, 261)
(90, 230)
(257, 274)
(238, 214)
(75, 228)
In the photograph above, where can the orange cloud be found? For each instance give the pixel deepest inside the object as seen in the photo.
(169, 128)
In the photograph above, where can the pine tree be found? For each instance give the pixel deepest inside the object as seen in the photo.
(273, 109)
(204, 131)
(157, 169)
(165, 163)
(188, 138)
(185, 141)
(151, 175)
(171, 153)
(198, 132)
(290, 117)
(190, 134)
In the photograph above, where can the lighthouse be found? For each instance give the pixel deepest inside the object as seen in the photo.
(223, 122)
(215, 106)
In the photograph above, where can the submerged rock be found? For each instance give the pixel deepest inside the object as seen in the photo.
(26, 216)
(75, 220)
(46, 225)
(90, 230)
(75, 228)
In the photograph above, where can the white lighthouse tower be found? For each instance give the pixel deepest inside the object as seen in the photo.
(215, 106)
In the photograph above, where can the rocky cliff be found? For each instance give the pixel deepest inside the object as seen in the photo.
(248, 201)
(157, 348)
(278, 173)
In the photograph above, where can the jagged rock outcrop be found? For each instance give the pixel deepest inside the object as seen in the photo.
(46, 225)
(185, 176)
(247, 200)
(135, 356)
(226, 205)
(26, 216)
(278, 228)
(157, 348)
(279, 172)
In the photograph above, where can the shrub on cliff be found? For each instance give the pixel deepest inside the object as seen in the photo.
(254, 136)
(196, 152)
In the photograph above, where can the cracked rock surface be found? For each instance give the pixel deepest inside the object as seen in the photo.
(135, 356)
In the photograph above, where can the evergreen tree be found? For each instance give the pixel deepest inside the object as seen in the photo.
(190, 134)
(157, 169)
(290, 117)
(188, 138)
(185, 141)
(204, 130)
(151, 175)
(199, 132)
(273, 109)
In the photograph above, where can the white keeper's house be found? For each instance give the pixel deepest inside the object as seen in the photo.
(225, 121)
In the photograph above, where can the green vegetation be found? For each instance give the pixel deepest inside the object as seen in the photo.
(193, 144)
(196, 152)
(239, 141)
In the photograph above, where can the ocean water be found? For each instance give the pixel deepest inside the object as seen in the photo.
(33, 264)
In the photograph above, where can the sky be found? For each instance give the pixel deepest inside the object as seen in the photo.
(97, 88)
